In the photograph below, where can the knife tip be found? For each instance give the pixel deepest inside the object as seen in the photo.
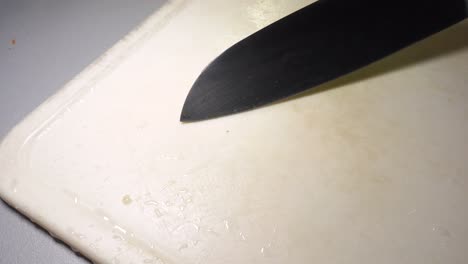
(185, 118)
(197, 107)
(189, 114)
(190, 117)
(195, 113)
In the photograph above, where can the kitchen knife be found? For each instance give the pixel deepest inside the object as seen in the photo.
(316, 44)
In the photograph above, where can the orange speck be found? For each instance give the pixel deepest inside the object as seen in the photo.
(13, 42)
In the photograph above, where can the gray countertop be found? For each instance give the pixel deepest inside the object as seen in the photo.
(44, 44)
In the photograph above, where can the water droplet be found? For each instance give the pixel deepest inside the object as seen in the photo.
(226, 224)
(117, 237)
(184, 225)
(242, 236)
(183, 246)
(152, 202)
(77, 235)
(265, 251)
(211, 231)
(120, 229)
(126, 200)
(158, 213)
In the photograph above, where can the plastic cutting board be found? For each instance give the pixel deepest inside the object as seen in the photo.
(373, 169)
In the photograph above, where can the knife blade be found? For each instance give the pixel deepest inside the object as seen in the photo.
(322, 41)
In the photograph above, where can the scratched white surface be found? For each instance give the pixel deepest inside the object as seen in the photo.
(374, 171)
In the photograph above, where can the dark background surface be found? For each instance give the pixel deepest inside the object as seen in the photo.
(43, 45)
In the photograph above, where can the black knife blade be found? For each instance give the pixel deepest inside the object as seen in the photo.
(316, 44)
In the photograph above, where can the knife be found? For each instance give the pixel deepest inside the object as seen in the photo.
(318, 43)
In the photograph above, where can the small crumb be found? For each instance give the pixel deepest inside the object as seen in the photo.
(126, 200)
(13, 42)
(227, 131)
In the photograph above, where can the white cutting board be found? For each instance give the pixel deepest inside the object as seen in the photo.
(374, 169)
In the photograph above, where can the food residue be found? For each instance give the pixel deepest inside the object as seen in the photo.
(126, 200)
(13, 42)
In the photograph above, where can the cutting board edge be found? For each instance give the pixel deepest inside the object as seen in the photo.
(19, 135)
